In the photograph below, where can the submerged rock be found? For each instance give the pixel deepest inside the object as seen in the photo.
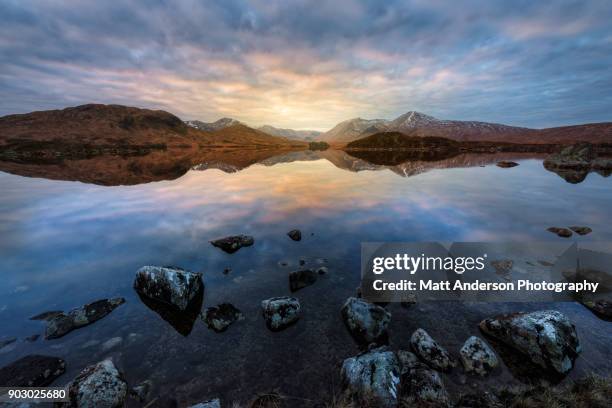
(322, 270)
(32, 371)
(64, 323)
(581, 230)
(430, 352)
(477, 357)
(98, 385)
(601, 307)
(170, 285)
(6, 342)
(214, 403)
(221, 317)
(424, 387)
(562, 232)
(506, 164)
(47, 315)
(372, 378)
(366, 322)
(112, 344)
(32, 338)
(295, 234)
(280, 312)
(141, 391)
(407, 361)
(547, 337)
(233, 243)
(302, 278)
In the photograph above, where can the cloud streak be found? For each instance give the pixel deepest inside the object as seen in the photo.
(303, 64)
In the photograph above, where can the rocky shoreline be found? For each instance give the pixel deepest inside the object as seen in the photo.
(379, 376)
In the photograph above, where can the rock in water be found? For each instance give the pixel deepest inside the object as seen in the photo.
(47, 315)
(141, 391)
(547, 337)
(302, 278)
(477, 357)
(366, 322)
(372, 378)
(32, 371)
(98, 386)
(64, 323)
(431, 352)
(6, 342)
(295, 234)
(407, 361)
(221, 317)
(423, 387)
(562, 232)
(280, 312)
(506, 164)
(576, 157)
(601, 307)
(173, 286)
(215, 403)
(581, 230)
(233, 243)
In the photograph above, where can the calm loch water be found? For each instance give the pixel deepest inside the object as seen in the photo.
(66, 243)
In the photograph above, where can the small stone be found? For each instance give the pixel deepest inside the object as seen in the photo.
(226, 271)
(322, 270)
(221, 317)
(214, 403)
(301, 279)
(407, 361)
(581, 230)
(601, 307)
(477, 357)
(302, 261)
(507, 164)
(32, 338)
(233, 243)
(280, 312)
(295, 234)
(366, 322)
(562, 232)
(430, 352)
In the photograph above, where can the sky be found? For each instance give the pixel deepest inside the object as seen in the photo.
(311, 64)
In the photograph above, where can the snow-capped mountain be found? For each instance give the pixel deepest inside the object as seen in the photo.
(212, 126)
(353, 129)
(307, 135)
(420, 124)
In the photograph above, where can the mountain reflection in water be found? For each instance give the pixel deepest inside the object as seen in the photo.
(174, 163)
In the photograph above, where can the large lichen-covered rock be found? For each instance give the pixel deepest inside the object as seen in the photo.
(169, 285)
(372, 378)
(280, 312)
(233, 243)
(63, 323)
(423, 387)
(477, 357)
(428, 350)
(32, 371)
(575, 157)
(547, 337)
(98, 386)
(366, 322)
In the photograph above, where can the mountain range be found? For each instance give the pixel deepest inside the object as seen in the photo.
(416, 124)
